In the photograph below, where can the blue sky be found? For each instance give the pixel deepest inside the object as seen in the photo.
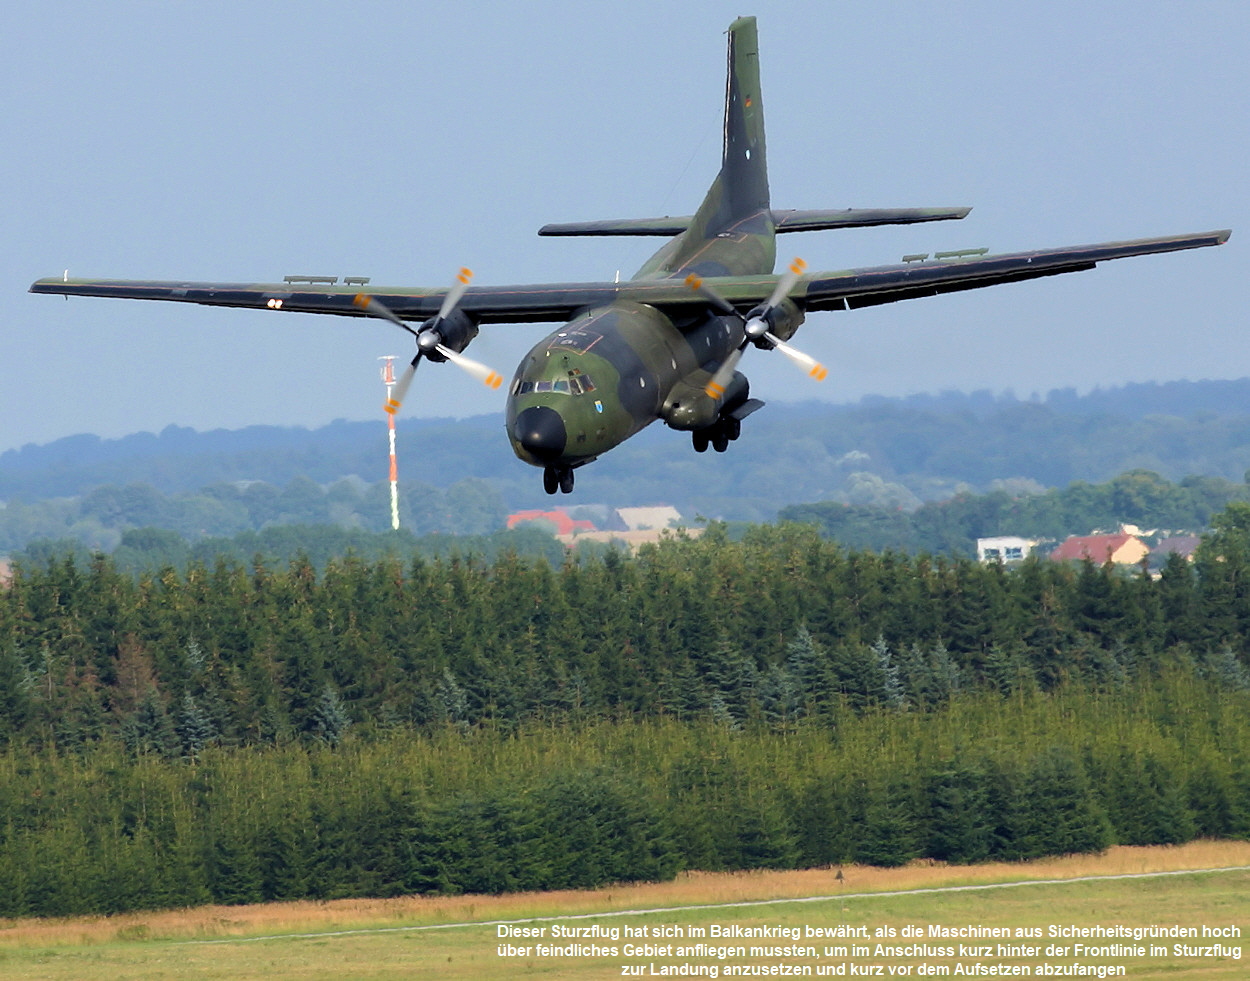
(245, 141)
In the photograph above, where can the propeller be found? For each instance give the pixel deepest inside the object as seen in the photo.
(756, 328)
(429, 340)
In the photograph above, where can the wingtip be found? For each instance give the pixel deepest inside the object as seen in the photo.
(1223, 236)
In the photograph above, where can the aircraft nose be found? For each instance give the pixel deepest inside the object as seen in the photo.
(540, 432)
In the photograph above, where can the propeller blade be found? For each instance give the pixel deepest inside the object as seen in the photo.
(716, 386)
(396, 398)
(813, 367)
(453, 295)
(786, 283)
(487, 376)
(372, 305)
(695, 282)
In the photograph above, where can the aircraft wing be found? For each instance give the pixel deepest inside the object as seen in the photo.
(486, 304)
(886, 284)
(536, 303)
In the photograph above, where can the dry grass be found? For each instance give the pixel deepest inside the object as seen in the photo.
(690, 889)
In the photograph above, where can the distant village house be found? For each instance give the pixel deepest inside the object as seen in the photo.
(629, 526)
(1119, 549)
(1005, 548)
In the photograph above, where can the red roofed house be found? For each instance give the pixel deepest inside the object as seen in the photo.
(1122, 549)
(564, 524)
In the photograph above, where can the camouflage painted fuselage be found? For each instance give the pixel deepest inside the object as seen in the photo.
(644, 364)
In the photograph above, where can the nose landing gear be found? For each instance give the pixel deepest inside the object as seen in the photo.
(558, 479)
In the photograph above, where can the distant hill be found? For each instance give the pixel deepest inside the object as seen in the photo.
(893, 452)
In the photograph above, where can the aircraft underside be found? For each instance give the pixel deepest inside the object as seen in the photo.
(611, 372)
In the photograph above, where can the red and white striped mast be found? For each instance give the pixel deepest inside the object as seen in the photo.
(388, 379)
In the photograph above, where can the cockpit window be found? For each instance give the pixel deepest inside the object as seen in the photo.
(577, 383)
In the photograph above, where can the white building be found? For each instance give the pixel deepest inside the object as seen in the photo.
(1005, 548)
(650, 519)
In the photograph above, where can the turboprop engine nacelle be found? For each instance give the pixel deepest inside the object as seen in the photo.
(690, 408)
(453, 331)
(781, 321)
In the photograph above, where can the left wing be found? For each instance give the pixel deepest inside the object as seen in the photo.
(886, 284)
(562, 301)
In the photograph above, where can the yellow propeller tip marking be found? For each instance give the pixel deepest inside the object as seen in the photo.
(360, 300)
(820, 372)
(392, 409)
(693, 281)
(797, 267)
(713, 390)
(465, 275)
(494, 380)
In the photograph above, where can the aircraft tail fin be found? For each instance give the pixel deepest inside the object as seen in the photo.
(736, 206)
(744, 161)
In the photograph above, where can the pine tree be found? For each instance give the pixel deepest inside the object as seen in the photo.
(804, 665)
(148, 729)
(452, 699)
(892, 693)
(195, 729)
(15, 702)
(946, 676)
(1226, 670)
(887, 836)
(330, 720)
(960, 828)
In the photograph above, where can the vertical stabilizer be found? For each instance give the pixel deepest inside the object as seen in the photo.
(735, 214)
(744, 165)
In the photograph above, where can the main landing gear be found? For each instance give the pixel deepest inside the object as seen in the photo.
(723, 432)
(558, 479)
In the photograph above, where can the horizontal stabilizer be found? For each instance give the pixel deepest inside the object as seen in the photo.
(785, 221)
(814, 221)
(620, 226)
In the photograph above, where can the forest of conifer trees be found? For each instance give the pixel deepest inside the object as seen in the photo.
(238, 733)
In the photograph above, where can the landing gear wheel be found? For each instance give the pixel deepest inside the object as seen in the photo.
(733, 428)
(566, 481)
(700, 441)
(720, 442)
(551, 480)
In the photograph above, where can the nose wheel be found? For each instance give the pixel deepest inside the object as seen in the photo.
(558, 479)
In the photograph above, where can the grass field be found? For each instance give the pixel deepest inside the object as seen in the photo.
(457, 937)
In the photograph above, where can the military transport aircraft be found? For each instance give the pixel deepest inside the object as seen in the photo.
(665, 345)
